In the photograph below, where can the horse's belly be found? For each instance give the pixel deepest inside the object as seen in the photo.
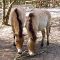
(42, 24)
(41, 27)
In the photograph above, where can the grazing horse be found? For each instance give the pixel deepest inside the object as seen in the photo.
(37, 20)
(17, 17)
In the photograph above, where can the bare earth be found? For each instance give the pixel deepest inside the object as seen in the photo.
(51, 52)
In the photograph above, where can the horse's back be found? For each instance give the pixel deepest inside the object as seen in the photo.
(17, 12)
(21, 12)
(42, 17)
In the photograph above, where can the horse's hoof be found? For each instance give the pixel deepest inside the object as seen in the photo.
(31, 53)
(41, 45)
(19, 51)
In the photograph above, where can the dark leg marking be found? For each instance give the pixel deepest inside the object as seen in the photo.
(43, 36)
(47, 29)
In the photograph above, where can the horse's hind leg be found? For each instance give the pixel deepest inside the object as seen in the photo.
(48, 31)
(43, 36)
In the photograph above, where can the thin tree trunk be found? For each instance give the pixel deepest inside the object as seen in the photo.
(6, 17)
(54, 3)
(8, 12)
(10, 1)
(3, 4)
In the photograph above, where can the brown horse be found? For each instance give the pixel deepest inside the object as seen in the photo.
(17, 17)
(37, 20)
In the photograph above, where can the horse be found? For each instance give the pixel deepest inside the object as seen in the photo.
(17, 18)
(37, 20)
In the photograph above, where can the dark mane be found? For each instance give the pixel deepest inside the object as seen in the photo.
(31, 15)
(20, 23)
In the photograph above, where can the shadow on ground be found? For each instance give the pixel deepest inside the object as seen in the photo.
(51, 52)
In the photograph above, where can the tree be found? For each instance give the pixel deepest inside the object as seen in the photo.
(6, 17)
(8, 12)
(3, 4)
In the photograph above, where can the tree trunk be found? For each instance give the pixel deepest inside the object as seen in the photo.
(10, 1)
(5, 18)
(8, 12)
(54, 3)
(3, 4)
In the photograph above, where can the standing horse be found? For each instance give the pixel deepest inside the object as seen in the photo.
(17, 17)
(37, 20)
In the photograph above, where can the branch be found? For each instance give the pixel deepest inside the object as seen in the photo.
(9, 9)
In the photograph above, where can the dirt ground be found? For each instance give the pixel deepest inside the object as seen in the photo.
(51, 52)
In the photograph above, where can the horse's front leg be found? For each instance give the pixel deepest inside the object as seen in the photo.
(19, 43)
